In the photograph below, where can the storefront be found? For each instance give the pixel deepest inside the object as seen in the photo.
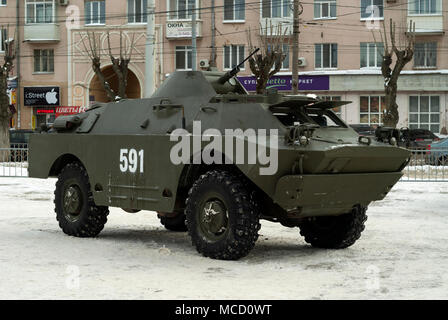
(43, 101)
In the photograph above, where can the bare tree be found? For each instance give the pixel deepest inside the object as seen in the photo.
(5, 69)
(401, 55)
(120, 64)
(269, 60)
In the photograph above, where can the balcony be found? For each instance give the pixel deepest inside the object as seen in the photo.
(427, 24)
(270, 26)
(42, 32)
(181, 29)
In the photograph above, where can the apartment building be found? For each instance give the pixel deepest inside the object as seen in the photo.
(339, 56)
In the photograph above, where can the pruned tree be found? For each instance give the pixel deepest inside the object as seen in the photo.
(269, 60)
(9, 56)
(120, 63)
(400, 55)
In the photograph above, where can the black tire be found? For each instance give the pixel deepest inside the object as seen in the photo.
(75, 209)
(176, 223)
(230, 232)
(334, 232)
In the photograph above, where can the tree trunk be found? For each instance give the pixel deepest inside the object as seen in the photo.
(261, 85)
(5, 114)
(390, 112)
(106, 86)
(4, 139)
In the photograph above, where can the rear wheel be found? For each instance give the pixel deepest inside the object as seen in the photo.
(75, 209)
(334, 232)
(222, 216)
(174, 222)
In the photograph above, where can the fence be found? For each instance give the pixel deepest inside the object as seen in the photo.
(425, 165)
(14, 161)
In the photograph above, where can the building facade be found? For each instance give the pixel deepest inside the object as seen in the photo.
(340, 51)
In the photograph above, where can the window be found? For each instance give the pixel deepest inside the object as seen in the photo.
(183, 58)
(233, 55)
(371, 108)
(181, 9)
(44, 60)
(371, 9)
(285, 62)
(3, 38)
(371, 55)
(137, 11)
(324, 9)
(326, 55)
(234, 10)
(39, 11)
(422, 7)
(424, 113)
(276, 8)
(425, 55)
(95, 12)
(2, 2)
(336, 110)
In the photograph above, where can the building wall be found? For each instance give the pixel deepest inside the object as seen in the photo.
(73, 72)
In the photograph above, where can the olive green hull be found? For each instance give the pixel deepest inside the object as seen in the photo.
(324, 182)
(315, 195)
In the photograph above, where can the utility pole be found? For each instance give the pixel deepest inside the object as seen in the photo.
(213, 57)
(17, 44)
(295, 47)
(193, 37)
(150, 49)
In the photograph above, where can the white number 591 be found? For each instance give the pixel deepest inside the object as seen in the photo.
(130, 160)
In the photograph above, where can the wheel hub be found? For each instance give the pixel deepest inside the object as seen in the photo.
(72, 200)
(214, 217)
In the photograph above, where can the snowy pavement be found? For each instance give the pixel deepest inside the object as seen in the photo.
(401, 254)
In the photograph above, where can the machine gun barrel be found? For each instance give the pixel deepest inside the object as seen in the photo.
(235, 70)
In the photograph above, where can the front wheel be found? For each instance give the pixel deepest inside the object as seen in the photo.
(334, 232)
(75, 209)
(222, 216)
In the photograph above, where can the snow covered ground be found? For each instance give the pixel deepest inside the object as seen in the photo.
(401, 254)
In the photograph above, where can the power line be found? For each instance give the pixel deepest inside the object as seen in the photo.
(222, 7)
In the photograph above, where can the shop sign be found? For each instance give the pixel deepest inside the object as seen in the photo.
(65, 111)
(12, 84)
(284, 83)
(178, 29)
(42, 96)
(13, 97)
(45, 111)
(61, 111)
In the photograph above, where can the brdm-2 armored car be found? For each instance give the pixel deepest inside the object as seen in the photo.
(304, 167)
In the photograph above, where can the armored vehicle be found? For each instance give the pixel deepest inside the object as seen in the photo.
(155, 154)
